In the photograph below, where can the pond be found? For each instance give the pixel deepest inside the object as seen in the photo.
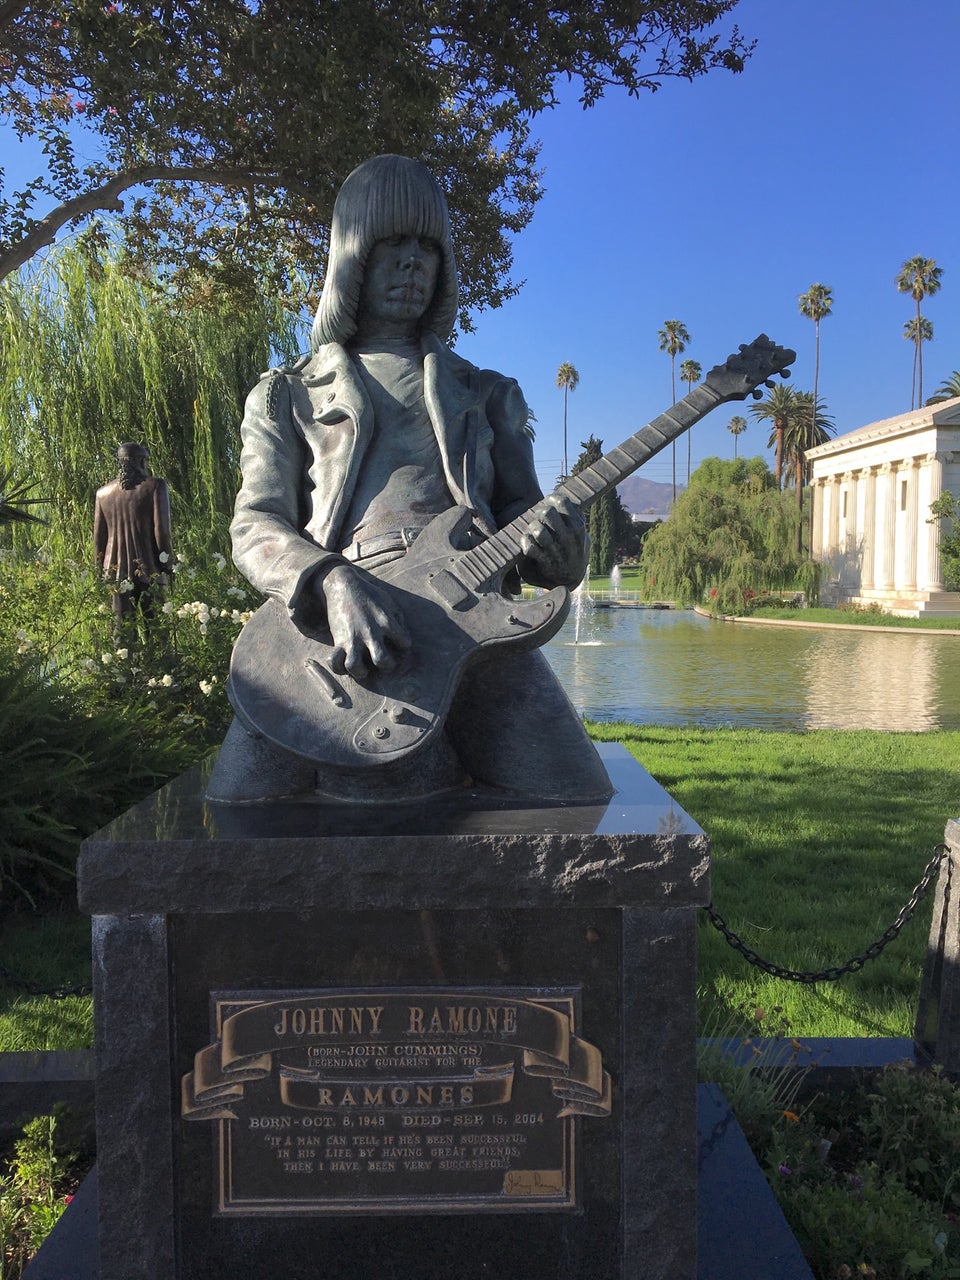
(673, 667)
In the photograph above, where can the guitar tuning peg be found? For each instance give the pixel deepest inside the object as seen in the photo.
(757, 395)
(769, 383)
(785, 373)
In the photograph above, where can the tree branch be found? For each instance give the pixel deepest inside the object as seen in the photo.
(10, 10)
(108, 195)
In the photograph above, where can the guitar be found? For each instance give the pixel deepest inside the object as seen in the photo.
(283, 688)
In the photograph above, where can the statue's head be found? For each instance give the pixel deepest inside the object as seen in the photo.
(133, 464)
(384, 197)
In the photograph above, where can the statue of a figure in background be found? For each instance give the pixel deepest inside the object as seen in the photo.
(131, 532)
(348, 456)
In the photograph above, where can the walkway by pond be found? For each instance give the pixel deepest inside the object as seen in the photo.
(676, 668)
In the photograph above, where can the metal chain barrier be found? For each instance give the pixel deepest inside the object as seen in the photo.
(855, 963)
(35, 989)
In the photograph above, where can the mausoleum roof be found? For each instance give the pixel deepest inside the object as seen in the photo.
(946, 414)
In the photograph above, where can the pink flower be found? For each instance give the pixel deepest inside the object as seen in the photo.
(111, 111)
(79, 106)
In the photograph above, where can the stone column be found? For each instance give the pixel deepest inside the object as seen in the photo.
(909, 573)
(833, 516)
(931, 575)
(868, 527)
(846, 529)
(852, 480)
(886, 526)
(817, 494)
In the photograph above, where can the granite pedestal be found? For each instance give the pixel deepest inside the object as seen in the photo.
(937, 1026)
(418, 1041)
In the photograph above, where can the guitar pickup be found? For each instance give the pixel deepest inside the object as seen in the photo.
(451, 590)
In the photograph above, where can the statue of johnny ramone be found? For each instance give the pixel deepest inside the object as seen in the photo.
(347, 456)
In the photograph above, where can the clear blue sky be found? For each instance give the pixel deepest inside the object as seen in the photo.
(832, 158)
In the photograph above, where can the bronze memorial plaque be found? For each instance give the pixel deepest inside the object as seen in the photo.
(371, 1100)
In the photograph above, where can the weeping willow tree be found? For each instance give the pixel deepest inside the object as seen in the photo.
(93, 354)
(731, 532)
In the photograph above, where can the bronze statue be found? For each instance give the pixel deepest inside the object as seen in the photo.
(131, 532)
(349, 457)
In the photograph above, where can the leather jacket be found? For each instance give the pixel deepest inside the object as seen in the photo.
(305, 433)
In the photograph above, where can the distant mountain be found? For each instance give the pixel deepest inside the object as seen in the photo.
(639, 495)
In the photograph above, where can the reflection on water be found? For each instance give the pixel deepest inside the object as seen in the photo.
(667, 667)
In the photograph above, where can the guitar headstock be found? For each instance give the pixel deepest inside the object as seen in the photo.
(747, 368)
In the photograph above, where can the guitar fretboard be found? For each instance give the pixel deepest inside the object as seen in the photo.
(504, 549)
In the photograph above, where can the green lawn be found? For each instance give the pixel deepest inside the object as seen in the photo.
(859, 618)
(49, 950)
(818, 840)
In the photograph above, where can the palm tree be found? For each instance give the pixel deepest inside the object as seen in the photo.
(15, 498)
(816, 305)
(920, 277)
(805, 430)
(690, 372)
(568, 379)
(917, 331)
(736, 426)
(777, 408)
(673, 339)
(947, 389)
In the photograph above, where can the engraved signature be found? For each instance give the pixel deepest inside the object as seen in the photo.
(533, 1182)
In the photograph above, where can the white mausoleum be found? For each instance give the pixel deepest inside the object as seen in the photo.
(872, 491)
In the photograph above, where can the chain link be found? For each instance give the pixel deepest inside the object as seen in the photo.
(855, 963)
(35, 989)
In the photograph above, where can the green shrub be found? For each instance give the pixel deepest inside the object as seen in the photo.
(65, 769)
(763, 1081)
(766, 601)
(34, 1191)
(869, 1177)
(860, 1225)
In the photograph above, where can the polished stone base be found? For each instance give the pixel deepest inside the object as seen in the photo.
(471, 893)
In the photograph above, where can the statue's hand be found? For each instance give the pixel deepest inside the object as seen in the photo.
(555, 545)
(367, 626)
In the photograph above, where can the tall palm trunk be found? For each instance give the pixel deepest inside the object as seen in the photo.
(566, 469)
(801, 460)
(919, 360)
(781, 425)
(673, 445)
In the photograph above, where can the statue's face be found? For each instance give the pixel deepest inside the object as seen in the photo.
(398, 286)
(133, 467)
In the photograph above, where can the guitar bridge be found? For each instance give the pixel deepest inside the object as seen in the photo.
(394, 726)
